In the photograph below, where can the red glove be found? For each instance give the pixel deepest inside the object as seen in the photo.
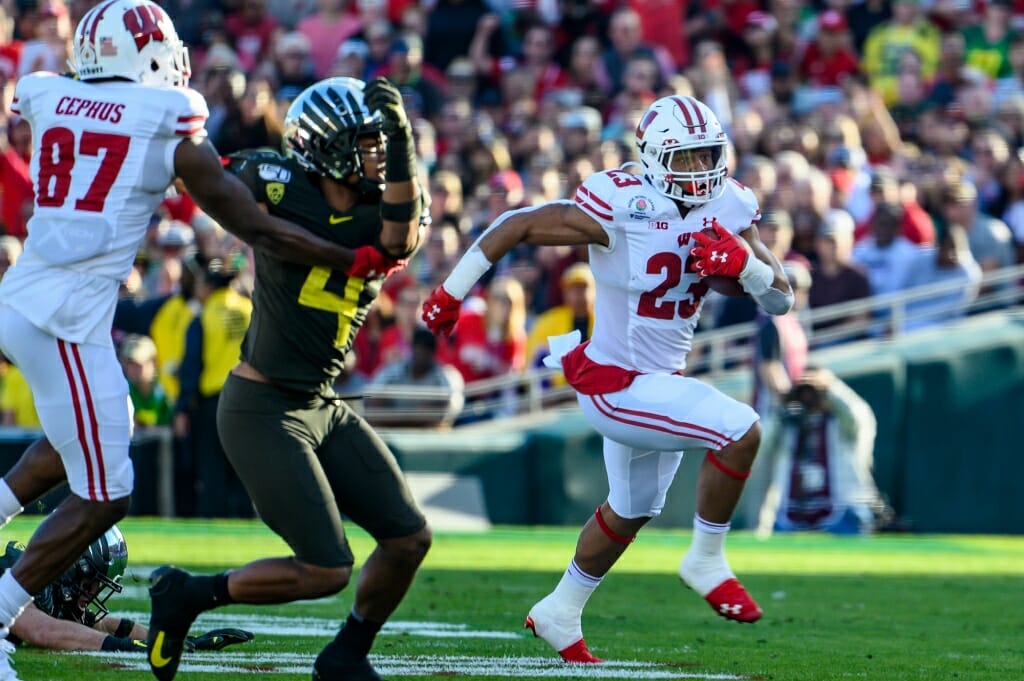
(724, 256)
(370, 263)
(441, 311)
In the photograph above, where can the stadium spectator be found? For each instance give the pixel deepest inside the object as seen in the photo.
(350, 61)
(49, 48)
(396, 340)
(908, 35)
(990, 240)
(294, 73)
(213, 341)
(575, 313)
(421, 84)
(252, 122)
(949, 262)
(18, 197)
(251, 30)
(886, 254)
(150, 405)
(915, 224)
(421, 368)
(332, 24)
(823, 453)
(638, 372)
(828, 60)
(625, 37)
(451, 26)
(491, 339)
(835, 278)
(17, 408)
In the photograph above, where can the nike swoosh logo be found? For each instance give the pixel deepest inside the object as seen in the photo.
(155, 658)
(338, 219)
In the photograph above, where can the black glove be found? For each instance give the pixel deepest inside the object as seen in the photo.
(221, 638)
(381, 95)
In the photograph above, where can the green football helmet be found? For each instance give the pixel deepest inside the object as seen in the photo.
(81, 593)
(323, 125)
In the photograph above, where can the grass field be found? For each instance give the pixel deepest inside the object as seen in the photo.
(885, 608)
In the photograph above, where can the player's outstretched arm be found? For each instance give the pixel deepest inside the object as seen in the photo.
(228, 201)
(37, 628)
(559, 223)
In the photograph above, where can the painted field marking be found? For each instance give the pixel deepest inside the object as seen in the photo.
(427, 665)
(276, 625)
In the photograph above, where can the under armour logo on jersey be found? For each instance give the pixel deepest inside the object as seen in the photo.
(717, 256)
(709, 222)
(433, 312)
(731, 608)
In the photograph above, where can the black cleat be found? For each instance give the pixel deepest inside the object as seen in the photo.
(329, 667)
(169, 621)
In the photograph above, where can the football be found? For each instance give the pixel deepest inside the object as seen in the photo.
(727, 286)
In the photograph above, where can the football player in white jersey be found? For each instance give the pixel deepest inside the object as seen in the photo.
(107, 145)
(653, 238)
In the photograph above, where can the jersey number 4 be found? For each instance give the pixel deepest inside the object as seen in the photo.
(314, 294)
(57, 159)
(671, 264)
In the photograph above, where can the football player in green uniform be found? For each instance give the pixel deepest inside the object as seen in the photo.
(71, 613)
(305, 457)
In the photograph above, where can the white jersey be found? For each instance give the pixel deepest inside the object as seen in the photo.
(103, 157)
(648, 296)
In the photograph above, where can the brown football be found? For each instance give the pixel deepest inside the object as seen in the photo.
(727, 286)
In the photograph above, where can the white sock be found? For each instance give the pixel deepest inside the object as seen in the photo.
(575, 588)
(704, 566)
(708, 537)
(9, 504)
(13, 600)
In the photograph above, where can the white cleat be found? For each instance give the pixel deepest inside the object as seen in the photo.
(712, 579)
(561, 631)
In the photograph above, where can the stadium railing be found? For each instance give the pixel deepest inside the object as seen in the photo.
(716, 351)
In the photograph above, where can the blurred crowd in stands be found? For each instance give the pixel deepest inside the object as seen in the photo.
(883, 139)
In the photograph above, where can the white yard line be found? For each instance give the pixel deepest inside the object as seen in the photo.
(427, 665)
(276, 625)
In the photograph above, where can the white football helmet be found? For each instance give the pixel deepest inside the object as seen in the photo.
(668, 137)
(131, 39)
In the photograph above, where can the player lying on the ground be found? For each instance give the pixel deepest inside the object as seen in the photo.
(71, 613)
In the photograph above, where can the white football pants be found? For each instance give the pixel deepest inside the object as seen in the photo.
(82, 400)
(646, 429)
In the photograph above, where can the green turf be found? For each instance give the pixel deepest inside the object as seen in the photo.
(886, 608)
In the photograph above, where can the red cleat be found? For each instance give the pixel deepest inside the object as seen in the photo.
(577, 653)
(730, 600)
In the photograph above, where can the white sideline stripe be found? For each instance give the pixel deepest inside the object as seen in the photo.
(275, 625)
(424, 665)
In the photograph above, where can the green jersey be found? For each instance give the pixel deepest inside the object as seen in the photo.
(304, 319)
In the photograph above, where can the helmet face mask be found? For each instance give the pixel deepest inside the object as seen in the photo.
(683, 148)
(323, 128)
(81, 593)
(130, 39)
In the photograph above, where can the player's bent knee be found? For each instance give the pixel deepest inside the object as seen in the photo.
(319, 581)
(736, 459)
(411, 549)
